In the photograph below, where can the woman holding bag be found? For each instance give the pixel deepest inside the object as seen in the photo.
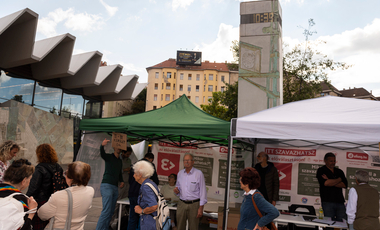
(250, 218)
(77, 177)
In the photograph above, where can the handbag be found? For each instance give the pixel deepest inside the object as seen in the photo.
(273, 226)
(68, 218)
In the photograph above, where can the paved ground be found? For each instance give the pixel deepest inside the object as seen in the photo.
(96, 209)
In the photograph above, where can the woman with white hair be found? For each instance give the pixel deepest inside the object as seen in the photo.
(147, 200)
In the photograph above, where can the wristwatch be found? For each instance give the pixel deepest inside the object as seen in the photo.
(142, 211)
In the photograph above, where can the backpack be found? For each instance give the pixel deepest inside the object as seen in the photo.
(58, 180)
(163, 221)
(12, 212)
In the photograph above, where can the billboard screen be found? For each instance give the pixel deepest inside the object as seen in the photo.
(189, 58)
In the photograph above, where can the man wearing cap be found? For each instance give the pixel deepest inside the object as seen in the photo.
(191, 189)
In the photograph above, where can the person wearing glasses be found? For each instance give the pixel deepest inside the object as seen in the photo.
(270, 182)
(16, 178)
(8, 150)
(191, 188)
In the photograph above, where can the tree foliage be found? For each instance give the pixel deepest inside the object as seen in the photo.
(304, 68)
(234, 66)
(17, 98)
(223, 104)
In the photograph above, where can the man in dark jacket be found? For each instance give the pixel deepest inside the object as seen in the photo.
(270, 183)
(133, 193)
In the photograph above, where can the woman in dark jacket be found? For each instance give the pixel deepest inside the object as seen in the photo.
(17, 178)
(249, 218)
(41, 186)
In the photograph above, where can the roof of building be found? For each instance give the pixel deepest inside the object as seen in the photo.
(329, 87)
(355, 92)
(206, 65)
(51, 62)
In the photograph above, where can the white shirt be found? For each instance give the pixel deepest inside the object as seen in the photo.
(251, 192)
(352, 205)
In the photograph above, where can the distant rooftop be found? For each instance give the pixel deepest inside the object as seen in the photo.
(206, 65)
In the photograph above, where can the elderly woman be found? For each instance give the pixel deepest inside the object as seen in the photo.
(147, 200)
(41, 185)
(249, 218)
(8, 150)
(17, 178)
(77, 177)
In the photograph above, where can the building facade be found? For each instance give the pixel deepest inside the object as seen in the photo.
(167, 81)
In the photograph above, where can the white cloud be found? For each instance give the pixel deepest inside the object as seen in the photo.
(110, 10)
(181, 4)
(77, 22)
(219, 50)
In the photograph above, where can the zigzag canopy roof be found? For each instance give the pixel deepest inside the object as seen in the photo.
(51, 62)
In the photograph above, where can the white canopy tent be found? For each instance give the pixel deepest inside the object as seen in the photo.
(336, 122)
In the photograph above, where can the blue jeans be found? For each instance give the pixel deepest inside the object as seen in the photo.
(109, 197)
(337, 211)
(134, 218)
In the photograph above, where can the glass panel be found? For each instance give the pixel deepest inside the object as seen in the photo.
(72, 105)
(47, 99)
(93, 109)
(15, 88)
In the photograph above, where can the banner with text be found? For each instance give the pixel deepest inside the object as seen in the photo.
(211, 161)
(297, 168)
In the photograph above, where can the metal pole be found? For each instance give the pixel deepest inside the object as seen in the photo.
(228, 182)
(34, 92)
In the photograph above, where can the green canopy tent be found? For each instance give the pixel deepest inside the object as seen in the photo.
(180, 122)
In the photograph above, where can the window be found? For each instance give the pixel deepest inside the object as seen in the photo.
(189, 88)
(189, 77)
(157, 74)
(173, 97)
(167, 85)
(197, 88)
(173, 86)
(156, 86)
(169, 75)
(162, 85)
(189, 97)
(216, 88)
(203, 99)
(167, 97)
(198, 77)
(216, 77)
(196, 99)
(222, 79)
(210, 88)
(154, 107)
(162, 97)
(210, 77)
(181, 76)
(222, 89)
(174, 75)
(209, 98)
(204, 88)
(180, 87)
(155, 97)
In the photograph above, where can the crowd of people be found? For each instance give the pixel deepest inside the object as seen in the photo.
(56, 199)
(41, 203)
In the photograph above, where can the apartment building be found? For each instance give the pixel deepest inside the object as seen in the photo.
(168, 81)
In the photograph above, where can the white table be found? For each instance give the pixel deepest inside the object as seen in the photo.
(297, 219)
(125, 201)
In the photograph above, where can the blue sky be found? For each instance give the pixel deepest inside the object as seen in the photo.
(141, 33)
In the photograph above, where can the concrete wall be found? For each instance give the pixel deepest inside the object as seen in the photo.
(260, 64)
(30, 127)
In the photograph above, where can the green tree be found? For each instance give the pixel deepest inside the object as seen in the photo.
(235, 52)
(223, 104)
(138, 105)
(304, 68)
(17, 98)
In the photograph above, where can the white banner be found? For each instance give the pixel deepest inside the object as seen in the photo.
(297, 168)
(212, 161)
